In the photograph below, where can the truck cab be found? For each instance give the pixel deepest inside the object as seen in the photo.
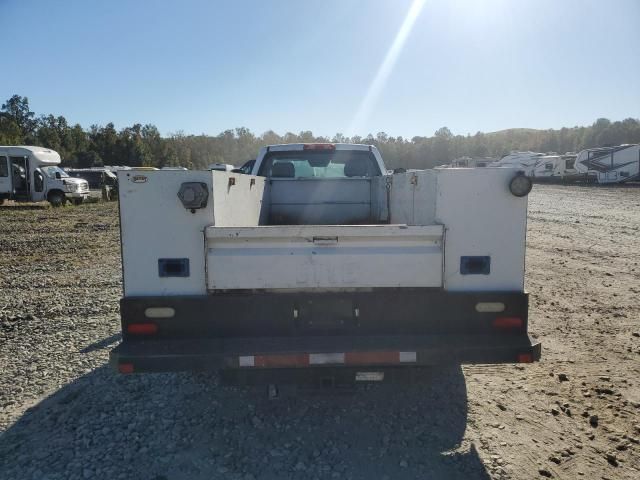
(33, 174)
(322, 265)
(100, 180)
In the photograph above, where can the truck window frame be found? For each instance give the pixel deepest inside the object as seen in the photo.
(266, 163)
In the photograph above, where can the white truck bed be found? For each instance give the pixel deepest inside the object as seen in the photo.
(436, 219)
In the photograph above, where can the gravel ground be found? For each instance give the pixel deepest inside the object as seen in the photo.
(64, 414)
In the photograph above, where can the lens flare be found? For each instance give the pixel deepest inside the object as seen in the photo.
(379, 81)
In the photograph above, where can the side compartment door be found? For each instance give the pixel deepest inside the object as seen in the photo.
(327, 256)
(5, 178)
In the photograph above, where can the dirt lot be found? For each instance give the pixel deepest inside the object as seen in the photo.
(65, 415)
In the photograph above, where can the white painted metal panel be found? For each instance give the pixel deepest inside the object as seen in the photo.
(327, 256)
(482, 218)
(238, 200)
(154, 224)
(412, 197)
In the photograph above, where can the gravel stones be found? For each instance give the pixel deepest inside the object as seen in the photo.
(64, 414)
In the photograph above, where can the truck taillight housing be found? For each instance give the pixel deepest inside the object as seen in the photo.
(319, 146)
(125, 368)
(508, 323)
(142, 328)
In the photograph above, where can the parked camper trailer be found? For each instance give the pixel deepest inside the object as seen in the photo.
(32, 174)
(322, 266)
(611, 164)
(555, 167)
(524, 161)
(472, 162)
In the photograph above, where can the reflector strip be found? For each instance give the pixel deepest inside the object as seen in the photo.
(159, 312)
(325, 358)
(408, 357)
(248, 361)
(367, 358)
(490, 307)
(297, 360)
(306, 359)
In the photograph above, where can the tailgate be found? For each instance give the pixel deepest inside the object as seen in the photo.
(323, 256)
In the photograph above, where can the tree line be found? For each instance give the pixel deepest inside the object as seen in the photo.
(142, 145)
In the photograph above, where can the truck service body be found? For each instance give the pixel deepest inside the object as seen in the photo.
(322, 263)
(32, 174)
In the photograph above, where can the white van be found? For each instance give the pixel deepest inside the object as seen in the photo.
(33, 174)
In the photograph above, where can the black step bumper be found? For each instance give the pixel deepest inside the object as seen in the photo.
(202, 355)
(261, 330)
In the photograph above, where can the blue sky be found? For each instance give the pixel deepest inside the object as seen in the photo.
(203, 66)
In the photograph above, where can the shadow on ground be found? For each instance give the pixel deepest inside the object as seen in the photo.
(186, 426)
(99, 345)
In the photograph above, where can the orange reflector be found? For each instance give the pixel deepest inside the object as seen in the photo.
(319, 146)
(125, 368)
(368, 358)
(296, 360)
(508, 322)
(142, 328)
(525, 358)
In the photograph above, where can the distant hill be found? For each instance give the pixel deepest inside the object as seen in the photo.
(515, 131)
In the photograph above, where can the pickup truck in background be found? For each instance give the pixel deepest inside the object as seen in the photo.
(100, 179)
(322, 266)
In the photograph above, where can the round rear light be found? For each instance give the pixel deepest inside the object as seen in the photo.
(520, 185)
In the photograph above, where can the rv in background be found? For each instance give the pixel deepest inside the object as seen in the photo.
(610, 164)
(555, 167)
(526, 161)
(472, 162)
(33, 174)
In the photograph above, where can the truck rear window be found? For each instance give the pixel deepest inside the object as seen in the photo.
(320, 164)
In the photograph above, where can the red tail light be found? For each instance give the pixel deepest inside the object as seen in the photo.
(319, 146)
(142, 328)
(125, 368)
(525, 358)
(508, 323)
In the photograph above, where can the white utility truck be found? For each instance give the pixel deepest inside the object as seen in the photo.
(322, 266)
(33, 174)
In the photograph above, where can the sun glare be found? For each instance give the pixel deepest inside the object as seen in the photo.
(380, 79)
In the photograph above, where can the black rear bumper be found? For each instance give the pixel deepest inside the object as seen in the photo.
(285, 330)
(215, 354)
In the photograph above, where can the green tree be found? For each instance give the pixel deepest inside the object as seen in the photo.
(17, 108)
